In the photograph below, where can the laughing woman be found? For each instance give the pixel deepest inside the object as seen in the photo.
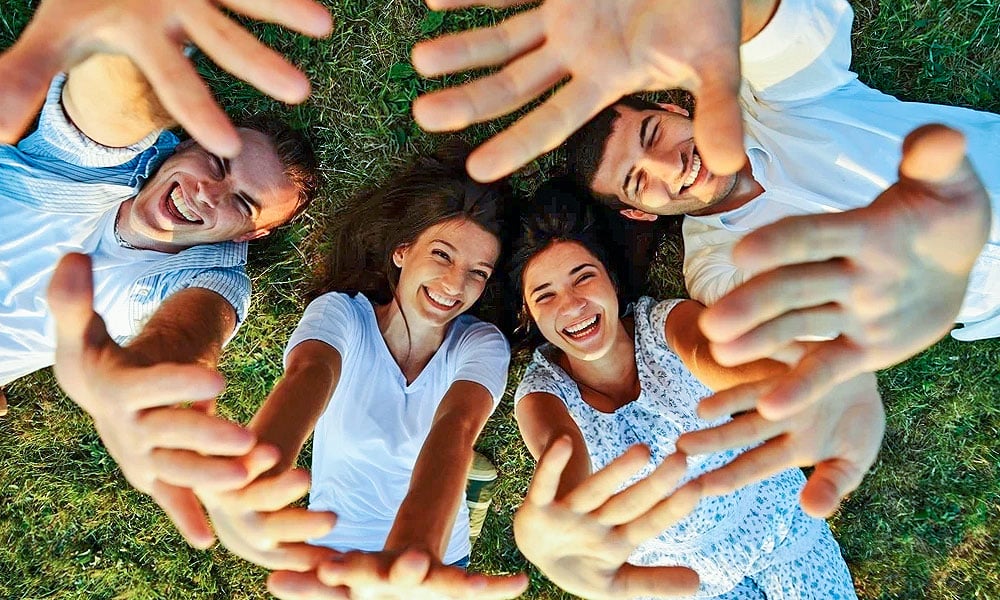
(603, 383)
(397, 382)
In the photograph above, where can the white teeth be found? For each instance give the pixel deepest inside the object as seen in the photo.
(581, 326)
(443, 301)
(695, 169)
(178, 199)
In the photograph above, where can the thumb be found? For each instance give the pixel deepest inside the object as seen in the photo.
(933, 154)
(71, 300)
(718, 119)
(828, 484)
(25, 70)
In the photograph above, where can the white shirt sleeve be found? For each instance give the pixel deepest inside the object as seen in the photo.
(332, 319)
(709, 272)
(483, 358)
(803, 52)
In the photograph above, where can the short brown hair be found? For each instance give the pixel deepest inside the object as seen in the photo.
(295, 153)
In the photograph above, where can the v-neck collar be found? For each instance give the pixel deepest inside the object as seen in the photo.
(387, 354)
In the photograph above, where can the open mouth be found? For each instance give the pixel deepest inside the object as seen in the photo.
(440, 302)
(694, 173)
(178, 208)
(584, 328)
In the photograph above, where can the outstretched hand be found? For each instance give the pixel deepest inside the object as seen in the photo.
(840, 435)
(583, 540)
(163, 449)
(607, 50)
(882, 282)
(407, 575)
(152, 33)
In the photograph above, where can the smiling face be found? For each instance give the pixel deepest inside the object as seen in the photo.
(571, 298)
(650, 162)
(199, 198)
(445, 270)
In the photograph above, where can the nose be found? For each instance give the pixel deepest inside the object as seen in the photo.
(210, 193)
(662, 163)
(572, 304)
(452, 281)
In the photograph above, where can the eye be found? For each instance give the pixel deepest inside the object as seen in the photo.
(216, 166)
(654, 136)
(542, 298)
(441, 254)
(640, 183)
(481, 274)
(584, 277)
(243, 206)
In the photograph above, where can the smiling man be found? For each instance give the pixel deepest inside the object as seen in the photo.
(165, 224)
(818, 142)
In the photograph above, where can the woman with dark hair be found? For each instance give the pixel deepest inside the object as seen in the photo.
(607, 381)
(397, 382)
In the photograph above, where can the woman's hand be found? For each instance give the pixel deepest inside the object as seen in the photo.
(582, 540)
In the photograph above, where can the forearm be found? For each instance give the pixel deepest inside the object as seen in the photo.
(427, 514)
(542, 419)
(111, 102)
(190, 327)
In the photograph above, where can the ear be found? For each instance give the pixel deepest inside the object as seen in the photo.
(398, 255)
(674, 108)
(252, 235)
(637, 215)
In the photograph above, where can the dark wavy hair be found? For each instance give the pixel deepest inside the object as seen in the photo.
(430, 190)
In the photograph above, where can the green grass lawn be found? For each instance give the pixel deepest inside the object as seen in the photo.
(924, 524)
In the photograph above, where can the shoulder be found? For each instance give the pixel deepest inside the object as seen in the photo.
(542, 375)
(467, 330)
(651, 316)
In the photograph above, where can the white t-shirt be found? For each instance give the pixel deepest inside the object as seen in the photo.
(726, 538)
(820, 141)
(366, 442)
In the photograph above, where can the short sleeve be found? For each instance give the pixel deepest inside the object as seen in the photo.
(803, 52)
(539, 378)
(58, 138)
(483, 358)
(332, 319)
(709, 271)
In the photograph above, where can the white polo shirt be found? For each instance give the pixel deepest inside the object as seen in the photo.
(821, 141)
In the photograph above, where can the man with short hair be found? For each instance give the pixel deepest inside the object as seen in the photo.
(165, 223)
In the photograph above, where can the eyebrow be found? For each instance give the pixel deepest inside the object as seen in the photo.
(642, 137)
(572, 271)
(227, 169)
(454, 249)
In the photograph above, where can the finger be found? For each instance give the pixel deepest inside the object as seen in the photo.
(26, 69)
(192, 470)
(456, 4)
(165, 385)
(453, 582)
(736, 399)
(718, 122)
(291, 585)
(819, 371)
(295, 556)
(599, 487)
(184, 510)
(492, 96)
(354, 569)
(184, 95)
(240, 53)
(296, 524)
(664, 514)
(801, 239)
(632, 581)
(825, 322)
(187, 429)
(640, 497)
(933, 154)
(548, 472)
(753, 465)
(772, 294)
(828, 484)
(275, 492)
(539, 131)
(304, 16)
(482, 47)
(71, 300)
(744, 430)
(409, 569)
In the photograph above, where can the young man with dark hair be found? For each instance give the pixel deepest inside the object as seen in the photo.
(135, 331)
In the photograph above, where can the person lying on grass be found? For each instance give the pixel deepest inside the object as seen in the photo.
(609, 379)
(396, 383)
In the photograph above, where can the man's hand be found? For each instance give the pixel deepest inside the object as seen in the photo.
(257, 523)
(840, 435)
(606, 49)
(152, 33)
(163, 449)
(882, 282)
(408, 575)
(582, 540)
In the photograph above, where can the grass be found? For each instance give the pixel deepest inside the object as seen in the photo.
(925, 523)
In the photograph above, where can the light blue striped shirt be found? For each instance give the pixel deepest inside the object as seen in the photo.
(60, 192)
